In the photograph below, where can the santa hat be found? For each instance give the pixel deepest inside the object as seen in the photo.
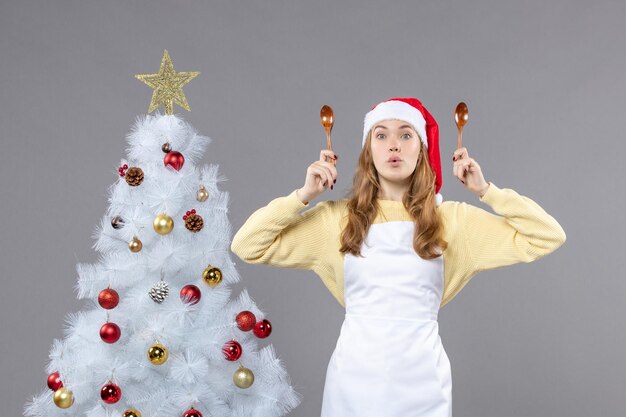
(410, 110)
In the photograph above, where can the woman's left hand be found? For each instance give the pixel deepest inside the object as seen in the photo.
(468, 171)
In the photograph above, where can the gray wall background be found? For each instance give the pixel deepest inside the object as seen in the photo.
(545, 84)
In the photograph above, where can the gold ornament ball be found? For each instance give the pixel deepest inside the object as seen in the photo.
(202, 194)
(131, 413)
(63, 398)
(243, 377)
(212, 276)
(163, 224)
(157, 354)
(135, 245)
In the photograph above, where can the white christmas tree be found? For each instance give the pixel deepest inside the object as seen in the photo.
(160, 335)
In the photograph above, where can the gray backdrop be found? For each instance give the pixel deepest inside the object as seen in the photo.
(545, 85)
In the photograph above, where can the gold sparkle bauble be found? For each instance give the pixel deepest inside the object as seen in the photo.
(212, 276)
(202, 194)
(157, 354)
(166, 147)
(243, 377)
(168, 86)
(63, 398)
(131, 413)
(163, 224)
(135, 245)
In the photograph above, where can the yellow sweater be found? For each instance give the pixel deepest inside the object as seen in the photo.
(279, 235)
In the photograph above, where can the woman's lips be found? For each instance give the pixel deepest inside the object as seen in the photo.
(394, 161)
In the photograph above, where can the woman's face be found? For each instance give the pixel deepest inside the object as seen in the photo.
(395, 140)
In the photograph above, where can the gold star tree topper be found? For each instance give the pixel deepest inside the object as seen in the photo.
(168, 86)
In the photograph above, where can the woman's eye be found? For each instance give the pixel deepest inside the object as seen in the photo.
(406, 136)
(380, 136)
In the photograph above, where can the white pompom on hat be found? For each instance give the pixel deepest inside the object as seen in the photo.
(412, 111)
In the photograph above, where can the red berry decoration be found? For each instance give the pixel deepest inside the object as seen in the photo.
(110, 393)
(108, 298)
(110, 332)
(192, 413)
(246, 320)
(174, 159)
(190, 294)
(262, 329)
(232, 350)
(54, 381)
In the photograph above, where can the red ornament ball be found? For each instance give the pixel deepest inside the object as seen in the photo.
(110, 393)
(232, 350)
(192, 413)
(190, 294)
(245, 320)
(108, 298)
(110, 332)
(174, 159)
(262, 329)
(54, 381)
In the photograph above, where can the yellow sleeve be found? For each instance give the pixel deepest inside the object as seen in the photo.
(279, 235)
(520, 232)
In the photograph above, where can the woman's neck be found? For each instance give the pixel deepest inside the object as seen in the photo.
(392, 194)
(392, 191)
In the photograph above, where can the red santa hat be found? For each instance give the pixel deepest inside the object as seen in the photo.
(412, 111)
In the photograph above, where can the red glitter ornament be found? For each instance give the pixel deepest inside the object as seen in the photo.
(232, 350)
(108, 298)
(54, 381)
(174, 159)
(190, 294)
(110, 332)
(192, 413)
(262, 329)
(245, 320)
(110, 393)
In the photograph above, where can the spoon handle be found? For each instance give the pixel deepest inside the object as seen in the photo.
(330, 145)
(459, 142)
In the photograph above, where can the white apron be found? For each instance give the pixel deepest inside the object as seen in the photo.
(389, 360)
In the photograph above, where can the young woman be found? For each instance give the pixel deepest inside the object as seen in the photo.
(392, 253)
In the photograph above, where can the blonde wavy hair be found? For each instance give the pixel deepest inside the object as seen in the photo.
(419, 200)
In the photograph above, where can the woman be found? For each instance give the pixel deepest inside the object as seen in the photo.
(392, 253)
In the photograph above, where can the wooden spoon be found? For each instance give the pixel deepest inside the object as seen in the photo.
(327, 117)
(461, 115)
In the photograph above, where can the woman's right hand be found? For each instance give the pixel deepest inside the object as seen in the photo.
(320, 175)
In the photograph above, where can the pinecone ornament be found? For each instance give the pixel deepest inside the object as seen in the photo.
(159, 292)
(193, 221)
(134, 176)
